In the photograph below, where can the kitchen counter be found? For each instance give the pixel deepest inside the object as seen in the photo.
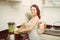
(4, 35)
(52, 32)
(49, 37)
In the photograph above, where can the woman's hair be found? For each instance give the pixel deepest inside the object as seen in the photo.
(37, 8)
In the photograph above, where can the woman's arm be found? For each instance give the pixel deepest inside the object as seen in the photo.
(41, 28)
(34, 22)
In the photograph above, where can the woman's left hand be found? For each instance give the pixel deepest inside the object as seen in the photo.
(40, 31)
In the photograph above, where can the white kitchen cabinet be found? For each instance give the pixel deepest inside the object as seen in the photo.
(13, 0)
(51, 3)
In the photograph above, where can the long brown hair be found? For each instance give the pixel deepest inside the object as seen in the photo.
(37, 8)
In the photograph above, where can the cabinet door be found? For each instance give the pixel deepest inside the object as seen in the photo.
(50, 3)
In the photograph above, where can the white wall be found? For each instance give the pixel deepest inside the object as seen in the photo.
(9, 13)
(51, 15)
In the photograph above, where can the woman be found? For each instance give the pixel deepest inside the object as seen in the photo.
(33, 23)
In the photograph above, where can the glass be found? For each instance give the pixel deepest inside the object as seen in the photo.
(11, 26)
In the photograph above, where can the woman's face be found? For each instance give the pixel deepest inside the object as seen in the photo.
(33, 11)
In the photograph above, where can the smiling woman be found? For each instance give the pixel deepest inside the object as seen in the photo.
(32, 25)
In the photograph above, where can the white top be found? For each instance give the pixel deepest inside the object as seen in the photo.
(33, 35)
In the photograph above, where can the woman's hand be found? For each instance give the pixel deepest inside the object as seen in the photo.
(40, 31)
